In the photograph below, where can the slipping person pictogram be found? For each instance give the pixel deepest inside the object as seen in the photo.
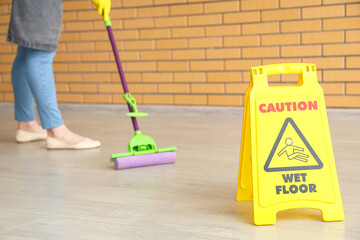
(293, 152)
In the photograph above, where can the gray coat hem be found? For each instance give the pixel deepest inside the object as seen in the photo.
(37, 46)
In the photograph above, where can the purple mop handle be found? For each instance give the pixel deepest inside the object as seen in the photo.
(121, 73)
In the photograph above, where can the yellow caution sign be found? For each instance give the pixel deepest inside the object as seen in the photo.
(286, 158)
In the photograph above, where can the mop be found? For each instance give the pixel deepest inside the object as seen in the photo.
(142, 150)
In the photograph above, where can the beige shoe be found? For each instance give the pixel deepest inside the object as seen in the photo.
(53, 143)
(24, 136)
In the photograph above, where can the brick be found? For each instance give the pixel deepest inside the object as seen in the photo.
(79, 26)
(236, 88)
(188, 54)
(203, 1)
(353, 62)
(95, 57)
(260, 28)
(122, 13)
(187, 9)
(140, 45)
(353, 88)
(207, 65)
(323, 37)
(155, 55)
(97, 77)
(7, 58)
(203, 20)
(338, 1)
(68, 77)
(153, 12)
(259, 5)
(224, 100)
(5, 48)
(205, 42)
(341, 23)
(187, 32)
(67, 57)
(89, 15)
(341, 75)
(106, 46)
(302, 3)
(77, 5)
(342, 101)
(280, 15)
(333, 88)
(93, 36)
(341, 49)
(161, 2)
(170, 22)
(323, 12)
(224, 77)
(301, 26)
(106, 67)
(127, 56)
(225, 30)
(7, 87)
(138, 23)
(171, 44)
(157, 77)
(137, 3)
(306, 51)
(70, 98)
(69, 37)
(178, 66)
(280, 39)
(242, 41)
(6, 77)
(143, 88)
(221, 7)
(62, 87)
(97, 98)
(353, 36)
(353, 10)
(80, 47)
(223, 53)
(2, 97)
(260, 52)
(83, 87)
(174, 88)
(69, 16)
(140, 66)
(154, 33)
(130, 77)
(158, 99)
(207, 88)
(241, 17)
(110, 88)
(231, 65)
(4, 9)
(326, 62)
(190, 99)
(189, 77)
(60, 67)
(82, 67)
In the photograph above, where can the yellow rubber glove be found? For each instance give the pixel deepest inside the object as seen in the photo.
(103, 7)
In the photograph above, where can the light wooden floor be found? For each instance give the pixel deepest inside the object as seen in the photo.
(78, 195)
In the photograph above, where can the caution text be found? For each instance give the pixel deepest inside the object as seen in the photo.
(288, 106)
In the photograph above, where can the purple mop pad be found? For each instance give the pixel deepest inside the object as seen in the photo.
(145, 160)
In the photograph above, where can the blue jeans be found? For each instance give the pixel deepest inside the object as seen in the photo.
(32, 77)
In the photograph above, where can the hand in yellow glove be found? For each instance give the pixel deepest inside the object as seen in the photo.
(103, 7)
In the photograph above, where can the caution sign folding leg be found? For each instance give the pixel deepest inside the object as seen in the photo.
(286, 158)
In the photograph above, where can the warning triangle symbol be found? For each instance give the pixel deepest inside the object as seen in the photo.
(291, 151)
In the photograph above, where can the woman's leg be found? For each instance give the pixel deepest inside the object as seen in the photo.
(41, 81)
(24, 100)
(40, 76)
